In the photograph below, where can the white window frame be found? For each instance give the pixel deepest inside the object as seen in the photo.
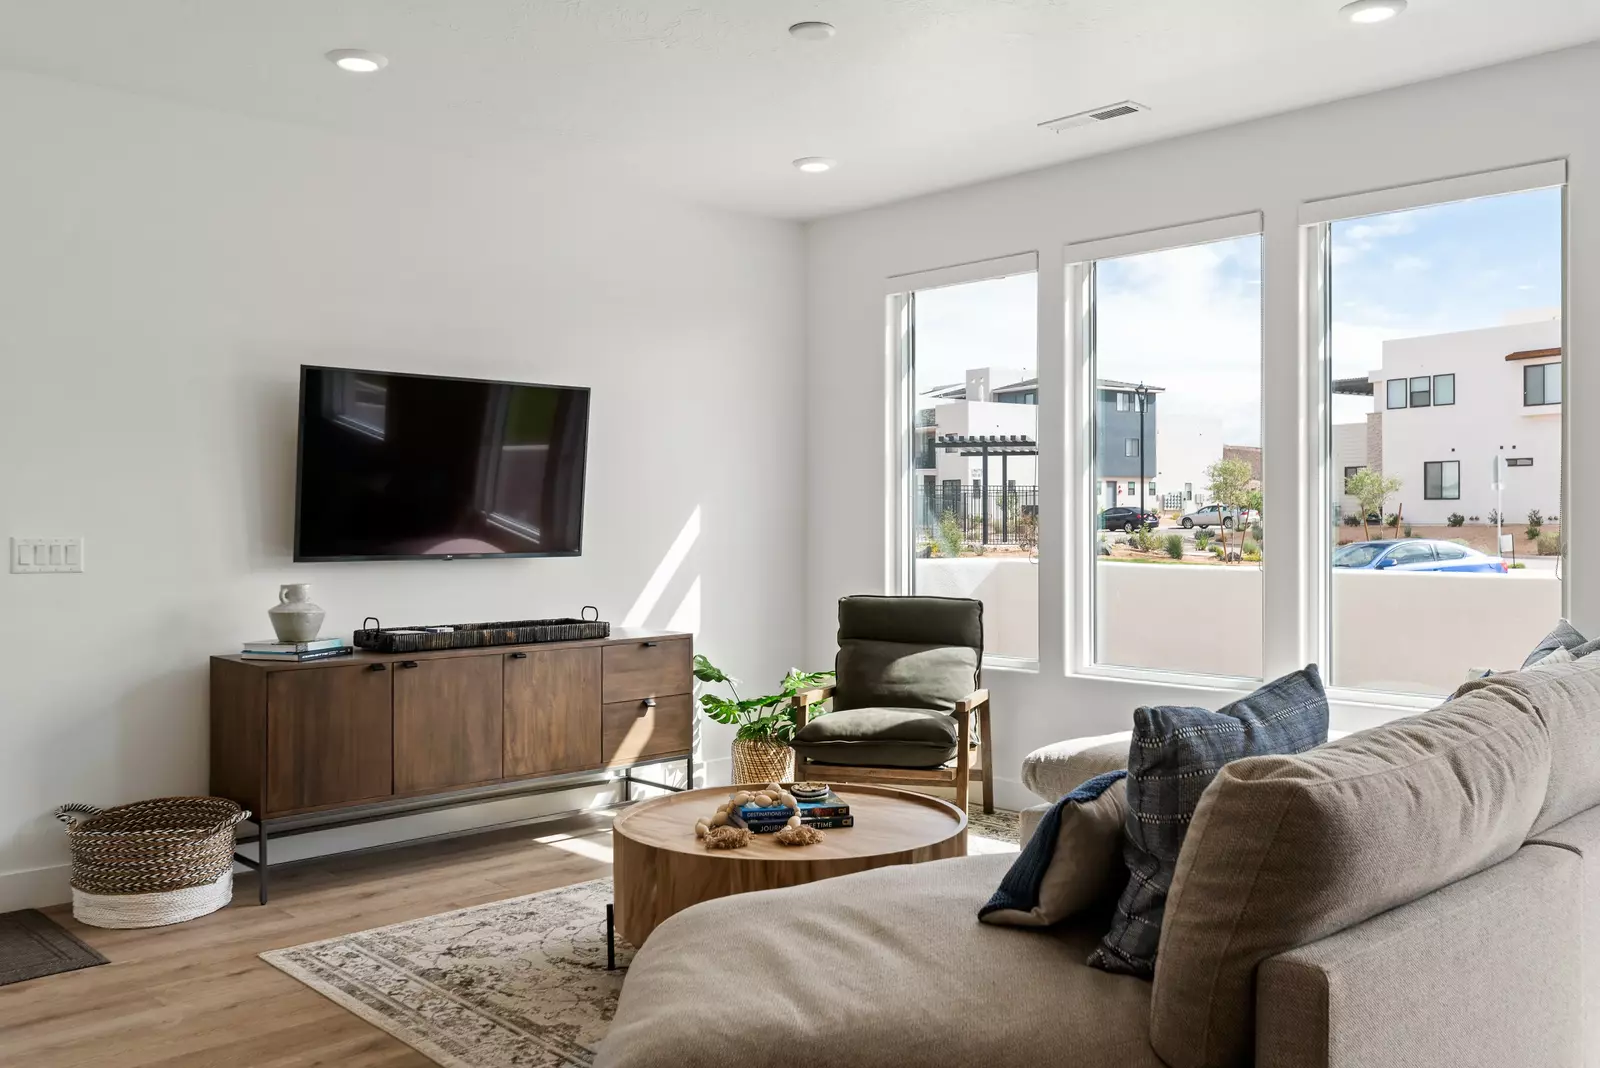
(1316, 218)
(1079, 259)
(900, 317)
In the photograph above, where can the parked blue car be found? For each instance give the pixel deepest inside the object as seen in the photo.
(1415, 554)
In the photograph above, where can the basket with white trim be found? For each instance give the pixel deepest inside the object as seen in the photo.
(153, 862)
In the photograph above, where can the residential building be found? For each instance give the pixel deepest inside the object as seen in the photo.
(1004, 402)
(1450, 407)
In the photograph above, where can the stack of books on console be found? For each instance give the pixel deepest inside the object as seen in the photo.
(826, 813)
(295, 652)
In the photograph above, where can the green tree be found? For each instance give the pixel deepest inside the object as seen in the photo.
(1373, 490)
(1227, 481)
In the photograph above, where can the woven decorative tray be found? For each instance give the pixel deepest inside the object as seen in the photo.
(379, 639)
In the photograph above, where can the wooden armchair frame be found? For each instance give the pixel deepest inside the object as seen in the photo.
(965, 768)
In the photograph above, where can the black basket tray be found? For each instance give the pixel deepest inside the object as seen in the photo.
(379, 639)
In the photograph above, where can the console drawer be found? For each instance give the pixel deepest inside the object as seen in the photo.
(636, 730)
(633, 671)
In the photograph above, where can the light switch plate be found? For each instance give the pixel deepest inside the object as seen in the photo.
(46, 556)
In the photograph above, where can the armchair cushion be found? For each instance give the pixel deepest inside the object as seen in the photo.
(880, 674)
(879, 738)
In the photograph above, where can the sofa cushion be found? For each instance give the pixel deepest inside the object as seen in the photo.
(1056, 770)
(879, 737)
(1285, 850)
(1072, 862)
(887, 967)
(1566, 698)
(878, 674)
(1174, 755)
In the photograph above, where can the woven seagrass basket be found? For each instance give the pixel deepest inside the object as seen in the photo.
(153, 862)
(761, 762)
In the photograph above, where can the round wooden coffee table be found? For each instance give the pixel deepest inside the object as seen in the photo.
(659, 867)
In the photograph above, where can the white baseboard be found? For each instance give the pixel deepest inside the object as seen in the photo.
(35, 888)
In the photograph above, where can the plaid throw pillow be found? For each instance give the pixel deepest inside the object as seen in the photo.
(1175, 754)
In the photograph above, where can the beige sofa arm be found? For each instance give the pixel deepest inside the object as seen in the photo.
(1486, 971)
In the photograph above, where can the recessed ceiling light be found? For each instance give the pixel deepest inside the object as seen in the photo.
(814, 164)
(357, 60)
(812, 31)
(1373, 10)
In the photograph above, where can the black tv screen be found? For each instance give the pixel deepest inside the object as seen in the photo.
(396, 466)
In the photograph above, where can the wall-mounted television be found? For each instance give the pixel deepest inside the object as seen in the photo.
(400, 466)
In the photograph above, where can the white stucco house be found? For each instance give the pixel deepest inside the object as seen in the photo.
(1445, 406)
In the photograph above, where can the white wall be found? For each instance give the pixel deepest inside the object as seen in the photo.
(1420, 632)
(167, 269)
(1518, 113)
(1488, 418)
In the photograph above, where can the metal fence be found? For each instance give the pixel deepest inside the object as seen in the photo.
(1013, 514)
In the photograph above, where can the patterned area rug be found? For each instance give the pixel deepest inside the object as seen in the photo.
(511, 984)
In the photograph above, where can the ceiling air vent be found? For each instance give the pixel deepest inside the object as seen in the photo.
(1100, 114)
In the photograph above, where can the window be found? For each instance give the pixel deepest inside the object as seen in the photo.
(1448, 275)
(1173, 337)
(1541, 384)
(1420, 396)
(1349, 473)
(984, 505)
(1441, 480)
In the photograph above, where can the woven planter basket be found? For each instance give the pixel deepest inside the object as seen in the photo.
(761, 762)
(153, 862)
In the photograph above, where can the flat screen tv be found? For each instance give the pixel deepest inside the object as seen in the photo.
(397, 466)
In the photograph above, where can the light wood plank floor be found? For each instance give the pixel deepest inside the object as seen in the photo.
(195, 995)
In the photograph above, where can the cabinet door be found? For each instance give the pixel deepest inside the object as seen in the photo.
(552, 720)
(329, 739)
(447, 727)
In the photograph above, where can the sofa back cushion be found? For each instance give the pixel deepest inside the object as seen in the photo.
(907, 652)
(1287, 850)
(1174, 753)
(1566, 697)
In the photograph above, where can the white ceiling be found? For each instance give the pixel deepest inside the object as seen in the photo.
(712, 99)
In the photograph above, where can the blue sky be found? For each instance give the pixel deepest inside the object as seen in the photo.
(1189, 319)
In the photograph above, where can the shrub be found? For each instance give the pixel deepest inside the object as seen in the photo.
(1456, 519)
(1473, 519)
(1255, 531)
(1352, 521)
(1517, 566)
(1252, 558)
(1218, 552)
(1174, 545)
(1143, 540)
(1535, 517)
(1495, 517)
(1408, 530)
(949, 539)
(1391, 519)
(1202, 537)
(1532, 532)
(1251, 547)
(1549, 545)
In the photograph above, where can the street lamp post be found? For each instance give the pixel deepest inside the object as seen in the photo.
(1143, 393)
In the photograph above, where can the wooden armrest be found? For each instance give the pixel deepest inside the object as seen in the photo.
(807, 698)
(974, 700)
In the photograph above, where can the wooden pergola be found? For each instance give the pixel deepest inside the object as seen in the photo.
(1004, 446)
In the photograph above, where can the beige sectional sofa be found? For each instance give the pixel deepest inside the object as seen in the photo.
(1425, 894)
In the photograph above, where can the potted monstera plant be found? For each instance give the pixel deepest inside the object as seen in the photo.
(766, 724)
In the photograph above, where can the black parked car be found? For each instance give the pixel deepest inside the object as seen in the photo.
(1129, 519)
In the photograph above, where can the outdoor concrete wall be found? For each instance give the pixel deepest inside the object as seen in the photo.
(1402, 633)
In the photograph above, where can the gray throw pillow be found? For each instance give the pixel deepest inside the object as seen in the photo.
(1175, 753)
(1072, 862)
(1565, 636)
